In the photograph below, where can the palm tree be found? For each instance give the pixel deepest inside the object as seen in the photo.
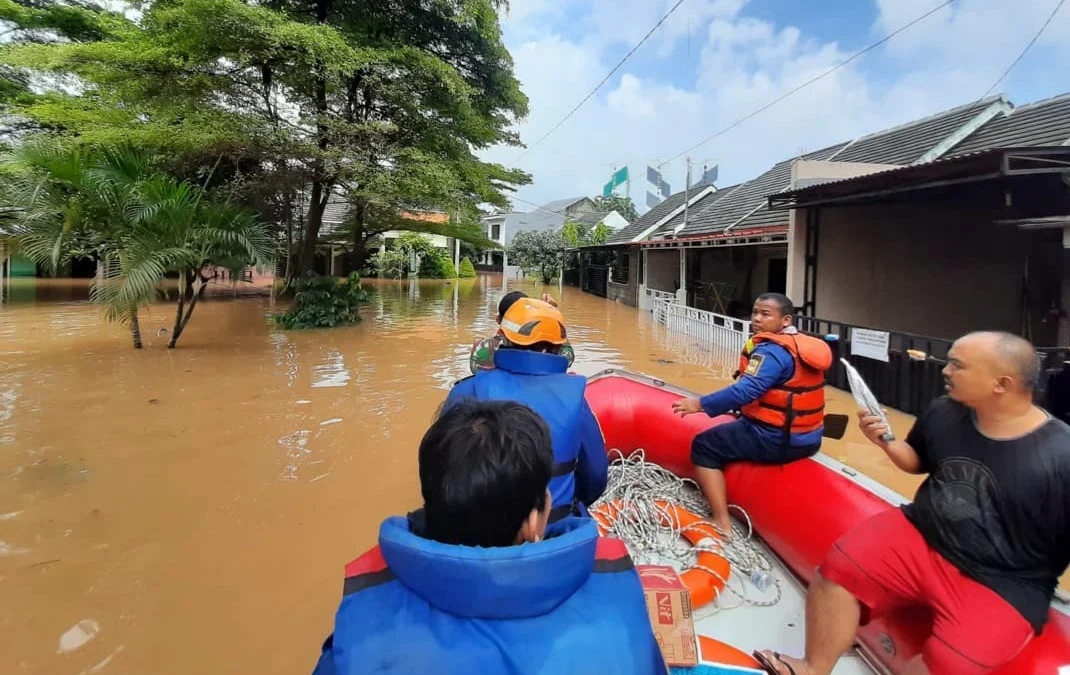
(194, 233)
(140, 224)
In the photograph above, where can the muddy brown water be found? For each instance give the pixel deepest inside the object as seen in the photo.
(190, 510)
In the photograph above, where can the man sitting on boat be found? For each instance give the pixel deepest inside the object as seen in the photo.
(481, 356)
(481, 583)
(780, 394)
(986, 538)
(529, 368)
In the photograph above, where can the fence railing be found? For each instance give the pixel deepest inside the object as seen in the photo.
(652, 295)
(912, 377)
(594, 279)
(722, 336)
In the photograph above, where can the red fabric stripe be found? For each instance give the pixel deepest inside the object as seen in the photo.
(609, 548)
(369, 563)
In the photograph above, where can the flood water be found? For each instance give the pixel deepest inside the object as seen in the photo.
(191, 510)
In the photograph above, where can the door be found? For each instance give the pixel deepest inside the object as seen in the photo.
(778, 275)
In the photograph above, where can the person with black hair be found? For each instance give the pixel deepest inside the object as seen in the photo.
(478, 581)
(529, 368)
(780, 395)
(985, 540)
(482, 355)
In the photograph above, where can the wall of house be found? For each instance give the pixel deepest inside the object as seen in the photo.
(937, 268)
(627, 293)
(803, 173)
(585, 205)
(615, 221)
(759, 280)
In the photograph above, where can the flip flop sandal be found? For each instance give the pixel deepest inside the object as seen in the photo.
(768, 665)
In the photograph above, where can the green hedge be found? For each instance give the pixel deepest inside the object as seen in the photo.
(468, 270)
(436, 264)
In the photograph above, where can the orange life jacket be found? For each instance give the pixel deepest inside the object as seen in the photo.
(798, 405)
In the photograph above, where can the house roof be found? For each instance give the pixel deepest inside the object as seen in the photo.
(907, 143)
(976, 166)
(336, 211)
(591, 218)
(694, 209)
(560, 205)
(648, 219)
(748, 197)
(1044, 122)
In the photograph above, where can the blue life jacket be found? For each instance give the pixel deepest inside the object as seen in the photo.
(571, 603)
(541, 382)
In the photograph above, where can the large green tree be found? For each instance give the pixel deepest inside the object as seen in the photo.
(383, 101)
(539, 253)
(622, 205)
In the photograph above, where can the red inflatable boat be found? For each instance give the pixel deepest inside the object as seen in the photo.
(798, 510)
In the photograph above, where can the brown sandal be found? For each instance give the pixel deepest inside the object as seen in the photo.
(768, 665)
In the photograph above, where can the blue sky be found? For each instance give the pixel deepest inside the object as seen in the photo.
(715, 61)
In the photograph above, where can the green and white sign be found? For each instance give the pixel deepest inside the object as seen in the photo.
(619, 177)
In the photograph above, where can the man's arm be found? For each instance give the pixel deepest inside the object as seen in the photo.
(769, 366)
(907, 454)
(592, 470)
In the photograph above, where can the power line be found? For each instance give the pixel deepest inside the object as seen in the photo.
(604, 80)
(812, 80)
(1027, 48)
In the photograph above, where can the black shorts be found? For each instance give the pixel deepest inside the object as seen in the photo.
(741, 441)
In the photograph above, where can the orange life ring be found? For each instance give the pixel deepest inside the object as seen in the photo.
(704, 581)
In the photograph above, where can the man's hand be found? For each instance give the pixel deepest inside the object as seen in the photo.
(900, 452)
(687, 406)
(547, 298)
(873, 428)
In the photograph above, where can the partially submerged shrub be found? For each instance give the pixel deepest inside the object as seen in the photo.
(323, 302)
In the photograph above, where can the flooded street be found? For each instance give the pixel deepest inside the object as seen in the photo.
(191, 510)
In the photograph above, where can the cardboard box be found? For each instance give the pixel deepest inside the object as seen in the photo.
(668, 603)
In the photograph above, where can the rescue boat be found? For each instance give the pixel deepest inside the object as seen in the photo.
(797, 510)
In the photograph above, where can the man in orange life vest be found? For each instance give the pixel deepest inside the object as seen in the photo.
(780, 394)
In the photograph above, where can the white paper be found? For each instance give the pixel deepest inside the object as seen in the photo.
(871, 344)
(865, 398)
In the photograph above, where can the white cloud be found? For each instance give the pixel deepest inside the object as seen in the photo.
(740, 63)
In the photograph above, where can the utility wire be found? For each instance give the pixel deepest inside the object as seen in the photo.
(604, 80)
(811, 81)
(1027, 48)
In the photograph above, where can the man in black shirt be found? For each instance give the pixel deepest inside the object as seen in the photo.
(986, 538)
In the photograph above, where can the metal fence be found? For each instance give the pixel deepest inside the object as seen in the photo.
(912, 377)
(653, 295)
(723, 336)
(594, 279)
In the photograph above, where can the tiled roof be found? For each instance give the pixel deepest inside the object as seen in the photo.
(695, 209)
(909, 142)
(763, 217)
(748, 197)
(591, 218)
(648, 219)
(560, 205)
(1042, 123)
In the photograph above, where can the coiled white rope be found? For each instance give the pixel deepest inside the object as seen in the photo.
(653, 532)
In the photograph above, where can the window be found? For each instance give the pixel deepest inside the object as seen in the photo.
(621, 267)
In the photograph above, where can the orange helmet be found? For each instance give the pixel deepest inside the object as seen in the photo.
(531, 321)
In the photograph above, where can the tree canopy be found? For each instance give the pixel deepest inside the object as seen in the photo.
(285, 103)
(622, 205)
